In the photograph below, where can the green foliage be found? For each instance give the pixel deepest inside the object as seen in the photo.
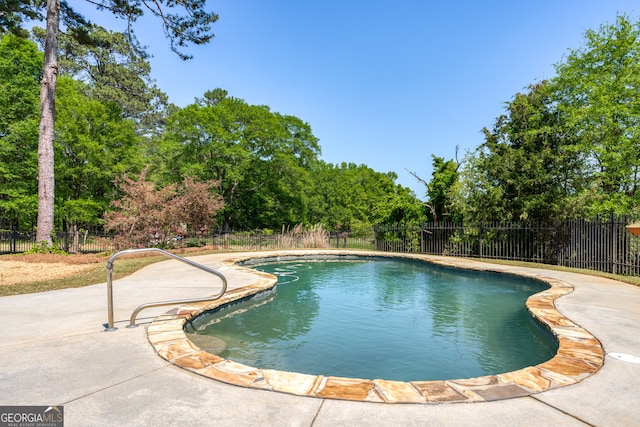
(13, 13)
(526, 168)
(597, 91)
(94, 142)
(94, 145)
(568, 147)
(20, 73)
(348, 196)
(269, 172)
(183, 22)
(360, 229)
(259, 158)
(45, 248)
(440, 189)
(399, 238)
(114, 73)
(265, 162)
(445, 175)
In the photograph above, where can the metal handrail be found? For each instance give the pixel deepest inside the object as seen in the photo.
(111, 327)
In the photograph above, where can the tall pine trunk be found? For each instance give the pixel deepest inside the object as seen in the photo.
(46, 180)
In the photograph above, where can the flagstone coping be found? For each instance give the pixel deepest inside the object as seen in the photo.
(579, 354)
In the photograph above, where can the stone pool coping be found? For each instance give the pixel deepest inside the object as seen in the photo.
(579, 353)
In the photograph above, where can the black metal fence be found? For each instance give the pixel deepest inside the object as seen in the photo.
(75, 242)
(601, 244)
(84, 241)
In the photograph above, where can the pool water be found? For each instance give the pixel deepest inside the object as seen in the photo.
(387, 319)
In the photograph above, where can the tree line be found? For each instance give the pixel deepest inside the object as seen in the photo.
(565, 148)
(121, 149)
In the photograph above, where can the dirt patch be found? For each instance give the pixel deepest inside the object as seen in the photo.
(20, 269)
(17, 272)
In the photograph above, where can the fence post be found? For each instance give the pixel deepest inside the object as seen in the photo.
(480, 250)
(558, 227)
(614, 244)
(75, 247)
(375, 238)
(13, 241)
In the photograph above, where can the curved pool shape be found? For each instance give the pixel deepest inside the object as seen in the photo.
(347, 318)
(579, 354)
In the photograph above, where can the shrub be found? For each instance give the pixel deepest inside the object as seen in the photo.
(146, 216)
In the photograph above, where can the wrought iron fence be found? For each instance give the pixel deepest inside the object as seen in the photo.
(601, 244)
(75, 242)
(84, 241)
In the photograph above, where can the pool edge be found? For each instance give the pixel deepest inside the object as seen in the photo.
(579, 354)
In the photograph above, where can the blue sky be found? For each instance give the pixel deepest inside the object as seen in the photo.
(382, 83)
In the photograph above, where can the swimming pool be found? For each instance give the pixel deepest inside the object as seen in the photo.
(579, 354)
(349, 317)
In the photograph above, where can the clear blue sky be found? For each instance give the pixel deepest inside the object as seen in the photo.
(382, 83)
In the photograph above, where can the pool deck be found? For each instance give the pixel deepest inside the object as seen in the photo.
(54, 351)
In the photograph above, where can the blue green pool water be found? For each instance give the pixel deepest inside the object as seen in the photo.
(383, 318)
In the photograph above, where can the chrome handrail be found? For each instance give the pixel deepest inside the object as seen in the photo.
(111, 327)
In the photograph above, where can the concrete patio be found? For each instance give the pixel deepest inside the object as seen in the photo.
(54, 351)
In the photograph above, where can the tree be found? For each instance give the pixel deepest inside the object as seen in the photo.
(349, 196)
(193, 26)
(46, 181)
(597, 90)
(258, 156)
(527, 168)
(146, 216)
(115, 72)
(13, 13)
(274, 192)
(20, 73)
(94, 144)
(443, 179)
(569, 147)
(269, 172)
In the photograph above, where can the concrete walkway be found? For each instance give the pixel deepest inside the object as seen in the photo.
(54, 351)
